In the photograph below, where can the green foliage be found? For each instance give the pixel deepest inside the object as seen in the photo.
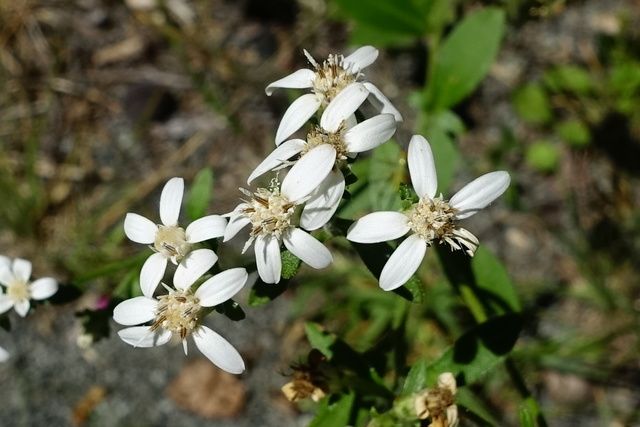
(408, 18)
(386, 170)
(569, 78)
(200, 194)
(532, 104)
(261, 293)
(290, 264)
(543, 156)
(575, 132)
(334, 411)
(465, 58)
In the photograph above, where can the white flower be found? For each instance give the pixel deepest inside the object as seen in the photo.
(169, 240)
(182, 311)
(271, 213)
(15, 277)
(338, 130)
(431, 219)
(326, 82)
(4, 355)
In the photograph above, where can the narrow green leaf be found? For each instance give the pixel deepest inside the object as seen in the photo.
(466, 399)
(465, 58)
(320, 339)
(526, 419)
(200, 194)
(479, 350)
(417, 377)
(392, 16)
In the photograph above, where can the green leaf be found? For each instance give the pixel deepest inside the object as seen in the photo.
(467, 399)
(465, 58)
(232, 310)
(543, 156)
(526, 419)
(200, 194)
(484, 276)
(532, 104)
(363, 35)
(320, 339)
(479, 350)
(262, 293)
(417, 377)
(386, 171)
(568, 78)
(575, 132)
(391, 16)
(290, 264)
(334, 411)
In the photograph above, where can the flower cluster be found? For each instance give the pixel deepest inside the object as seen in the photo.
(438, 403)
(153, 320)
(15, 276)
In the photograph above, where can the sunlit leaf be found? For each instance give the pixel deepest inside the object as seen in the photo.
(397, 17)
(334, 411)
(532, 104)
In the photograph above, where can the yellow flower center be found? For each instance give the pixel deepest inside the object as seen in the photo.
(177, 312)
(319, 136)
(19, 290)
(171, 242)
(331, 78)
(269, 212)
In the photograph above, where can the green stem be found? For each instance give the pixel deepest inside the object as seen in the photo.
(529, 401)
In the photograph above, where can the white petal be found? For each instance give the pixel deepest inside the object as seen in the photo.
(236, 223)
(300, 79)
(4, 355)
(5, 261)
(6, 276)
(343, 106)
(193, 267)
(141, 336)
(381, 102)
(218, 350)
(297, 115)
(135, 311)
(422, 168)
(140, 229)
(151, 274)
(361, 58)
(279, 156)
(205, 228)
(378, 227)
(267, 251)
(404, 261)
(221, 287)
(307, 248)
(479, 193)
(22, 269)
(22, 307)
(43, 288)
(323, 203)
(170, 201)
(370, 134)
(308, 172)
(6, 303)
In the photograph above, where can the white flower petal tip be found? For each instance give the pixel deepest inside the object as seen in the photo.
(267, 252)
(344, 105)
(307, 248)
(370, 134)
(170, 201)
(193, 267)
(381, 102)
(361, 58)
(151, 274)
(135, 311)
(278, 158)
(403, 263)
(422, 167)
(297, 115)
(221, 287)
(323, 203)
(300, 79)
(218, 350)
(309, 172)
(479, 193)
(43, 288)
(205, 228)
(378, 227)
(141, 336)
(140, 229)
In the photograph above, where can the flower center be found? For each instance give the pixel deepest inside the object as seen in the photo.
(331, 78)
(18, 290)
(171, 242)
(318, 136)
(432, 219)
(177, 312)
(269, 212)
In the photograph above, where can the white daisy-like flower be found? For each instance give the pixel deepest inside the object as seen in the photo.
(431, 219)
(15, 276)
(4, 355)
(270, 212)
(182, 311)
(326, 82)
(169, 240)
(338, 129)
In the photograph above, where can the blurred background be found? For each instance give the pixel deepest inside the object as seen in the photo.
(102, 101)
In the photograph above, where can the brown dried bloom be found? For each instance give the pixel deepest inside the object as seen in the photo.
(308, 379)
(438, 403)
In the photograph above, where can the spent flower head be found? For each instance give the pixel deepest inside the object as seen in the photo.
(182, 310)
(327, 81)
(438, 403)
(431, 219)
(168, 239)
(15, 277)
